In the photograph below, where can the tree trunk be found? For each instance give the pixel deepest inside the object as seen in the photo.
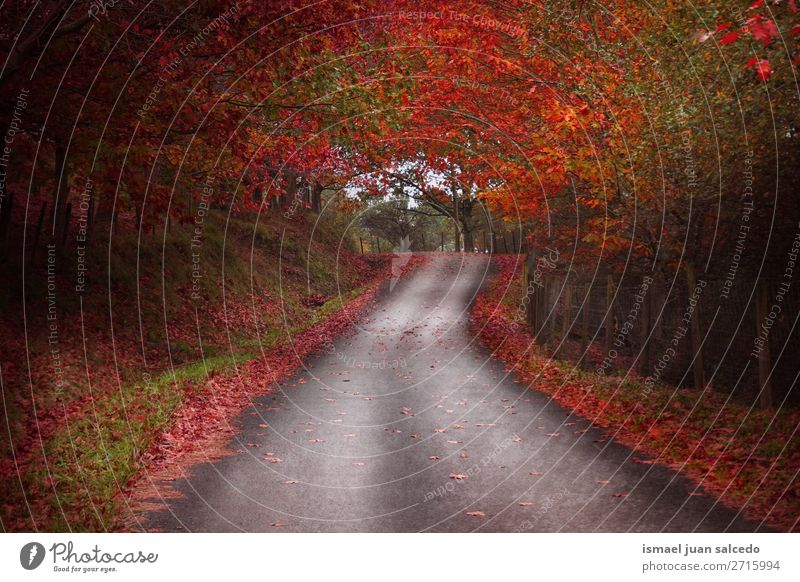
(316, 199)
(466, 222)
(61, 191)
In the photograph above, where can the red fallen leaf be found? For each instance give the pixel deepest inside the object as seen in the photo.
(525, 503)
(462, 455)
(458, 426)
(763, 70)
(476, 514)
(434, 457)
(276, 524)
(620, 495)
(764, 30)
(289, 482)
(458, 476)
(730, 37)
(603, 482)
(536, 473)
(263, 425)
(440, 430)
(415, 435)
(761, 66)
(407, 411)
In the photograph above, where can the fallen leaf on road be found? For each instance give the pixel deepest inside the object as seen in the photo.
(476, 514)
(642, 461)
(434, 457)
(458, 476)
(620, 495)
(525, 503)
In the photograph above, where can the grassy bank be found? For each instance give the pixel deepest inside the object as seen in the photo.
(140, 342)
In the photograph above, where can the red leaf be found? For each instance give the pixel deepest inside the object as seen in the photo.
(763, 70)
(764, 31)
(476, 514)
(731, 37)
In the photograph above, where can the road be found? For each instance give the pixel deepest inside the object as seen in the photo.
(407, 424)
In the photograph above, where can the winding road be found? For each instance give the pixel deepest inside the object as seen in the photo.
(407, 424)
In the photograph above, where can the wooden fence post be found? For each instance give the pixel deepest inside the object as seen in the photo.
(551, 308)
(530, 291)
(764, 360)
(587, 296)
(566, 318)
(697, 350)
(644, 330)
(609, 319)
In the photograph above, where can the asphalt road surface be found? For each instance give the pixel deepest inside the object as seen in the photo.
(407, 424)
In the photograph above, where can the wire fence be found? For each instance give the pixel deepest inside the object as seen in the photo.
(738, 337)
